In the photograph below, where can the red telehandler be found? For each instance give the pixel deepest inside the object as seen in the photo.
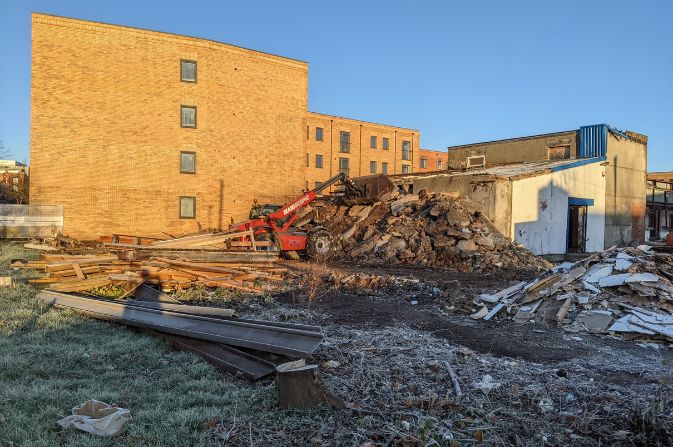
(275, 229)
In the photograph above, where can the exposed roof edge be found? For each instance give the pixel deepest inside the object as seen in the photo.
(528, 137)
(53, 19)
(328, 116)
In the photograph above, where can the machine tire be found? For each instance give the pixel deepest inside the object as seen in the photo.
(320, 244)
(267, 235)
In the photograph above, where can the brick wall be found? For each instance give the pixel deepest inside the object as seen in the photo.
(360, 152)
(431, 159)
(106, 135)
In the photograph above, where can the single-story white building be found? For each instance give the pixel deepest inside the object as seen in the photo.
(551, 207)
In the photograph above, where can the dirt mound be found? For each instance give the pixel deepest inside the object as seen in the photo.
(436, 229)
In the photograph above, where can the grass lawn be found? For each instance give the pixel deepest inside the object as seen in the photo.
(52, 360)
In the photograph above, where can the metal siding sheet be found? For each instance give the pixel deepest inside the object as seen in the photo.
(593, 141)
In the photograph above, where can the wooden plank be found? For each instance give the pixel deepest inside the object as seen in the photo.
(43, 280)
(78, 271)
(66, 265)
(209, 255)
(251, 244)
(195, 274)
(202, 266)
(71, 272)
(194, 242)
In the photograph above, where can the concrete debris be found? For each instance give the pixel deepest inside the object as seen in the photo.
(428, 229)
(481, 313)
(625, 291)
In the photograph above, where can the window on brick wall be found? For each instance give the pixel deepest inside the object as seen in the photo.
(384, 167)
(405, 169)
(372, 167)
(187, 162)
(318, 160)
(424, 162)
(318, 134)
(385, 144)
(307, 160)
(440, 165)
(406, 150)
(187, 71)
(317, 185)
(372, 141)
(344, 141)
(187, 207)
(188, 116)
(344, 165)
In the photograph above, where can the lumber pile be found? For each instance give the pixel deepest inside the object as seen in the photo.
(86, 273)
(625, 291)
(435, 229)
(224, 240)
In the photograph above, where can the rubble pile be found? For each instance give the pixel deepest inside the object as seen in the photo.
(625, 291)
(435, 229)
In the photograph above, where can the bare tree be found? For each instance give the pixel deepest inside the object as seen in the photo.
(4, 151)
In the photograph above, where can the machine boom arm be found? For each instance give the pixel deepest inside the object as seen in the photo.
(306, 198)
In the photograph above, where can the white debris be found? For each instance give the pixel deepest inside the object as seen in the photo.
(487, 384)
(481, 313)
(642, 277)
(623, 265)
(613, 280)
(597, 272)
(99, 418)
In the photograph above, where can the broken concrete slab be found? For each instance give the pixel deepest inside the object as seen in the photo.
(597, 272)
(622, 265)
(624, 324)
(594, 320)
(613, 280)
(401, 203)
(642, 277)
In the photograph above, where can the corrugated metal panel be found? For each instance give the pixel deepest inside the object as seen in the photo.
(593, 140)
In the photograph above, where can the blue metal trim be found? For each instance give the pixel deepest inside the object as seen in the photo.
(586, 161)
(580, 202)
(576, 201)
(618, 132)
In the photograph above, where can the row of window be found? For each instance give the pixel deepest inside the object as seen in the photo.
(424, 164)
(344, 165)
(345, 142)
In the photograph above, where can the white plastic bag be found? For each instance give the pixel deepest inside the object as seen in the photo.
(97, 417)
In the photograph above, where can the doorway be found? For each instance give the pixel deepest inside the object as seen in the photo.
(577, 228)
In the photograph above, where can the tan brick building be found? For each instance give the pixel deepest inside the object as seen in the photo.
(359, 148)
(149, 133)
(430, 160)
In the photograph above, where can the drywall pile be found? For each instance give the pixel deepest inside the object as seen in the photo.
(435, 229)
(623, 291)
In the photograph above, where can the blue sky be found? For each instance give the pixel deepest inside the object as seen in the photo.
(460, 72)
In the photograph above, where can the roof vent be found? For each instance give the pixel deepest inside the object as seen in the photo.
(477, 161)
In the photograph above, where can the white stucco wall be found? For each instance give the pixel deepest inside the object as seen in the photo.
(540, 208)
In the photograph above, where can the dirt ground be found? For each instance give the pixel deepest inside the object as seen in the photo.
(389, 351)
(546, 386)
